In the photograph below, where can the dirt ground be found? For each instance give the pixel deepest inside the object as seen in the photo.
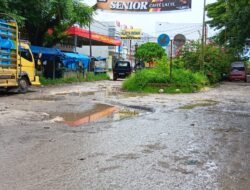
(93, 136)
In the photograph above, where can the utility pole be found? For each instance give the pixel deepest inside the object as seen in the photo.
(206, 34)
(90, 41)
(171, 59)
(90, 45)
(130, 50)
(75, 42)
(136, 46)
(203, 35)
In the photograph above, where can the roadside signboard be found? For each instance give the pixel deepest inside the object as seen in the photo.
(143, 5)
(163, 40)
(179, 40)
(134, 33)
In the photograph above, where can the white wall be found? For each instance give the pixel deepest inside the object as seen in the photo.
(96, 51)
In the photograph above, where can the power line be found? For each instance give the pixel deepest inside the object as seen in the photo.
(177, 28)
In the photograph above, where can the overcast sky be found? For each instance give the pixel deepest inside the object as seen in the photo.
(146, 21)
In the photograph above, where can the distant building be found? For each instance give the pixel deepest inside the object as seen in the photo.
(103, 51)
(104, 37)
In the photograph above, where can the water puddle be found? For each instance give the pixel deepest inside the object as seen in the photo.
(79, 118)
(202, 103)
(123, 114)
(80, 94)
(98, 112)
(48, 98)
(114, 91)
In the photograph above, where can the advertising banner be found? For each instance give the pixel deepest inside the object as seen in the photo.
(134, 33)
(143, 5)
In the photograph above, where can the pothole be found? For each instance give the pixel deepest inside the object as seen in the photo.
(124, 113)
(48, 98)
(98, 112)
(76, 93)
(79, 118)
(202, 103)
(125, 94)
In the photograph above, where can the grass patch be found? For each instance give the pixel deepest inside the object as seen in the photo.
(90, 77)
(152, 80)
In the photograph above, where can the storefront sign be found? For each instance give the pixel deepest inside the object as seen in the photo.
(144, 5)
(94, 36)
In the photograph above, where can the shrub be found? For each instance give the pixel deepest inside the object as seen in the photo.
(216, 60)
(186, 79)
(151, 80)
(142, 78)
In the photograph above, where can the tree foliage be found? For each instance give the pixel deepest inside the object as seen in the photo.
(3, 5)
(149, 52)
(41, 15)
(231, 17)
(216, 60)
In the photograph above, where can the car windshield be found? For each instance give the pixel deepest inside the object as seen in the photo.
(123, 64)
(237, 69)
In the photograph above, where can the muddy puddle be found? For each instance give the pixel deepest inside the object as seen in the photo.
(48, 98)
(123, 114)
(99, 111)
(79, 118)
(80, 94)
(106, 92)
(125, 94)
(62, 96)
(201, 103)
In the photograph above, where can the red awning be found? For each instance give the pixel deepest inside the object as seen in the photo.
(98, 38)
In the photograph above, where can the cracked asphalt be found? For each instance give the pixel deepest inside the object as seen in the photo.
(152, 141)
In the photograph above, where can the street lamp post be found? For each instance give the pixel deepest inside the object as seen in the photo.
(90, 41)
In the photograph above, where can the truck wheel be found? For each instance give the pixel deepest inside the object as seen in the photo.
(114, 77)
(23, 85)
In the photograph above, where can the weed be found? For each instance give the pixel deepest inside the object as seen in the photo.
(90, 77)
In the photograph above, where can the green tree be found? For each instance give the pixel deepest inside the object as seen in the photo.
(216, 60)
(3, 5)
(41, 15)
(6, 12)
(150, 52)
(231, 18)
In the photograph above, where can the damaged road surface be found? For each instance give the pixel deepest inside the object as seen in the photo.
(94, 136)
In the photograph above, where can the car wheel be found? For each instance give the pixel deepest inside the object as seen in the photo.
(23, 85)
(114, 77)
